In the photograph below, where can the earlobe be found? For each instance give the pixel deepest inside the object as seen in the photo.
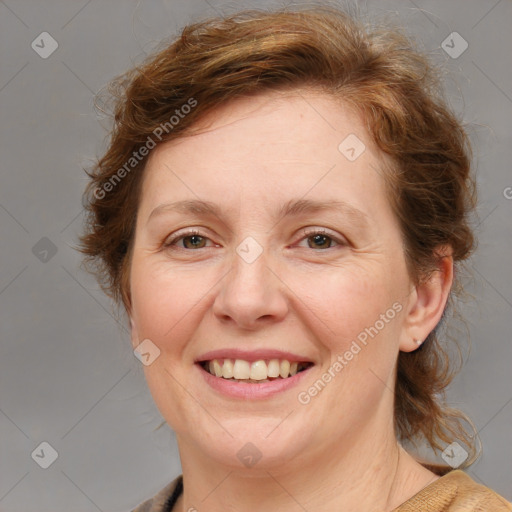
(428, 304)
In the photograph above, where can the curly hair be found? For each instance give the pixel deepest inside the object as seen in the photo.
(378, 71)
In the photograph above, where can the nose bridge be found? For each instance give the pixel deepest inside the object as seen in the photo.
(250, 268)
(250, 291)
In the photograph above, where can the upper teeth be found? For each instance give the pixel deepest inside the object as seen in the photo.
(257, 370)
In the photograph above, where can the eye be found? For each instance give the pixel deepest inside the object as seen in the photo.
(321, 239)
(191, 239)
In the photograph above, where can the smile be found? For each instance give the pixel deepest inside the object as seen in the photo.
(252, 380)
(240, 370)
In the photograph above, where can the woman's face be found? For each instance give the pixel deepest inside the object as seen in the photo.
(270, 277)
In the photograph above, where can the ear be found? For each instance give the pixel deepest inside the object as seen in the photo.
(427, 303)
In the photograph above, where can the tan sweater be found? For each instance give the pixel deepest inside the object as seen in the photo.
(454, 492)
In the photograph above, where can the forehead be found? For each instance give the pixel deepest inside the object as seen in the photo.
(284, 117)
(272, 145)
(277, 120)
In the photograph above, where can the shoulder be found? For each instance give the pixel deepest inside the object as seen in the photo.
(456, 491)
(163, 499)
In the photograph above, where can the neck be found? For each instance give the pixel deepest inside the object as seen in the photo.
(352, 475)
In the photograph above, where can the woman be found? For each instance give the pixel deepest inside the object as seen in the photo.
(281, 211)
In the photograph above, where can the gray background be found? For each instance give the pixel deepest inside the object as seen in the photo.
(67, 373)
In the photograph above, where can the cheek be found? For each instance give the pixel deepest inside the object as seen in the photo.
(165, 303)
(341, 302)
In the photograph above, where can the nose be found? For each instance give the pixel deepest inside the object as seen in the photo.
(252, 295)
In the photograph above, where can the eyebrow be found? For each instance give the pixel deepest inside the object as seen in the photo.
(293, 207)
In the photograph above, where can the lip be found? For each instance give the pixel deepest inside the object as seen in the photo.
(251, 391)
(252, 355)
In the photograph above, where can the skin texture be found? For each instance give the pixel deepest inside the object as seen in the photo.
(304, 295)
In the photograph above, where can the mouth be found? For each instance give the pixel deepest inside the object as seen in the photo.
(255, 372)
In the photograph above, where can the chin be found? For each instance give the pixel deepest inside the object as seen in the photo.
(254, 444)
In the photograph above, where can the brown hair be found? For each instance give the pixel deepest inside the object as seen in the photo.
(377, 71)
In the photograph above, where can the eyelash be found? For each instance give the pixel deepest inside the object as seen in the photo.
(307, 233)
